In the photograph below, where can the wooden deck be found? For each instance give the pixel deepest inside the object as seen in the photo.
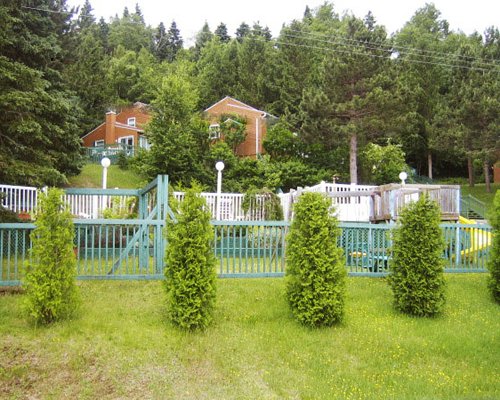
(389, 200)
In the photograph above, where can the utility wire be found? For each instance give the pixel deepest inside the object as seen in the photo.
(284, 43)
(46, 10)
(383, 49)
(394, 47)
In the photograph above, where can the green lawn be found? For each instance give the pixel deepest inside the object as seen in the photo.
(479, 192)
(91, 177)
(122, 346)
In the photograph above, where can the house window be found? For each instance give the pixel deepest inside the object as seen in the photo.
(126, 140)
(131, 121)
(214, 131)
(143, 143)
(99, 143)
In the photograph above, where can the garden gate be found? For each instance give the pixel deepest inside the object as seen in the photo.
(115, 248)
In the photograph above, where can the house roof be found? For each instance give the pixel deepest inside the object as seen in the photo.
(241, 105)
(93, 130)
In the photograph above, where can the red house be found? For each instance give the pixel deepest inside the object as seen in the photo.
(125, 128)
(256, 124)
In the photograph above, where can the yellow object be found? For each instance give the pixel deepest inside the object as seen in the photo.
(479, 238)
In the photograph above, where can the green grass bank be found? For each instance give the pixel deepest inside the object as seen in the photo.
(122, 346)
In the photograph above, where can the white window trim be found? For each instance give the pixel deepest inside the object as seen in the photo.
(125, 139)
(143, 142)
(99, 143)
(214, 131)
(131, 121)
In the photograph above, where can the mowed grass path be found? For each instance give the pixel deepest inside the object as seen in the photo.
(122, 346)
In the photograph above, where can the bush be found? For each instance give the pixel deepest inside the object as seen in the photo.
(315, 275)
(50, 278)
(417, 279)
(494, 262)
(382, 164)
(190, 264)
(122, 160)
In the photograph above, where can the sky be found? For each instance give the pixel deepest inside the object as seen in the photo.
(190, 16)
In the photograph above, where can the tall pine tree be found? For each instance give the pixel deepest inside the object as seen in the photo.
(39, 141)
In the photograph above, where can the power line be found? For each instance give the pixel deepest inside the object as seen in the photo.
(395, 47)
(284, 43)
(46, 10)
(382, 49)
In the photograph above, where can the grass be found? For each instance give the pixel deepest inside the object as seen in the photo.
(479, 192)
(122, 346)
(91, 177)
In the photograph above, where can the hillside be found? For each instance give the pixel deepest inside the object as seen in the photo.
(91, 177)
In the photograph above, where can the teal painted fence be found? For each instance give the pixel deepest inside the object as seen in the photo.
(96, 154)
(134, 249)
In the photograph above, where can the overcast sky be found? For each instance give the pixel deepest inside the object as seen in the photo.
(190, 16)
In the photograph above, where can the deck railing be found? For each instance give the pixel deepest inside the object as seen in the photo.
(351, 203)
(112, 151)
(389, 200)
(20, 199)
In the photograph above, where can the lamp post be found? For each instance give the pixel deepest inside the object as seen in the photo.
(105, 162)
(403, 175)
(219, 166)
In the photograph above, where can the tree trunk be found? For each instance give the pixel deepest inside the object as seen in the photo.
(429, 164)
(470, 170)
(353, 157)
(487, 176)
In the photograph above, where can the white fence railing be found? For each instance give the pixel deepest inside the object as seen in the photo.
(352, 202)
(231, 206)
(20, 199)
(348, 206)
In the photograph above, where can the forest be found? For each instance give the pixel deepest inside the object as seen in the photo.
(353, 103)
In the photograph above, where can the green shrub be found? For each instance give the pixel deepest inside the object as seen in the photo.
(315, 275)
(494, 262)
(50, 277)
(271, 208)
(122, 160)
(190, 264)
(417, 279)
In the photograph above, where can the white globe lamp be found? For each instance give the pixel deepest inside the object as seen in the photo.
(403, 176)
(105, 162)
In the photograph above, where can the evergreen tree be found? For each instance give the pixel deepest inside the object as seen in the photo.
(85, 19)
(104, 34)
(315, 275)
(179, 139)
(256, 71)
(85, 77)
(417, 267)
(258, 30)
(494, 261)
(217, 72)
(222, 33)
(160, 41)
(174, 42)
(138, 14)
(423, 80)
(50, 279)
(202, 38)
(242, 31)
(130, 32)
(39, 140)
(190, 264)
(307, 13)
(352, 98)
